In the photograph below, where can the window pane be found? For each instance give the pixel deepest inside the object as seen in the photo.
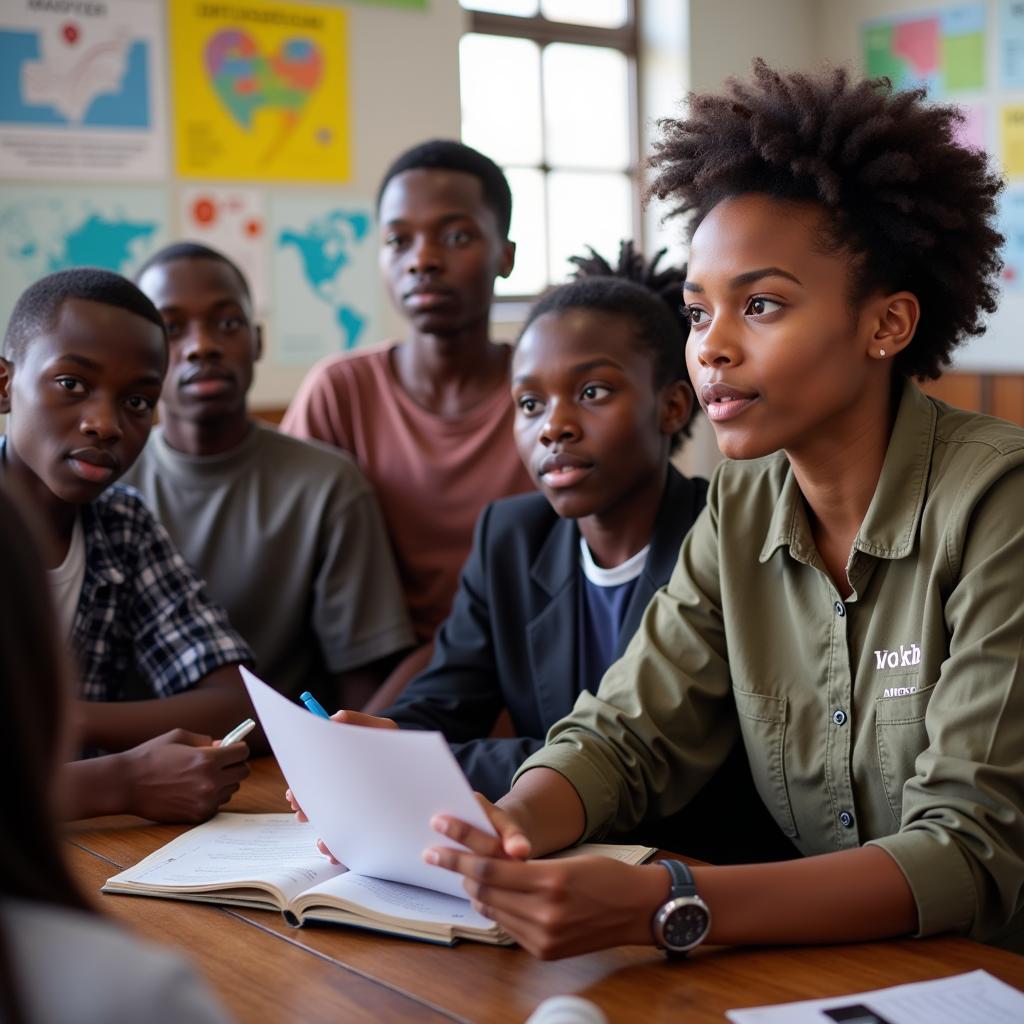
(586, 209)
(500, 84)
(586, 97)
(525, 8)
(606, 13)
(528, 231)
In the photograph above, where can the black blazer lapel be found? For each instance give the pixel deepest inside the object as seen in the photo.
(551, 632)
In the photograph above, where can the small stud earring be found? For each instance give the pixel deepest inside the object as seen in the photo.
(881, 353)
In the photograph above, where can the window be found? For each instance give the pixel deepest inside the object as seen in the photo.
(549, 93)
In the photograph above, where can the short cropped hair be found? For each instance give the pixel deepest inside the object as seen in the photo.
(912, 207)
(447, 155)
(192, 251)
(634, 288)
(37, 309)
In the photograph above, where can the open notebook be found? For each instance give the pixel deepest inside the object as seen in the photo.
(270, 862)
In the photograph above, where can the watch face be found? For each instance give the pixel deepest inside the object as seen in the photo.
(685, 925)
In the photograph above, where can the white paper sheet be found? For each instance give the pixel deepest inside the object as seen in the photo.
(369, 793)
(974, 998)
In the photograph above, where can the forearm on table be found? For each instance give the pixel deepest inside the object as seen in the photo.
(213, 708)
(94, 787)
(849, 896)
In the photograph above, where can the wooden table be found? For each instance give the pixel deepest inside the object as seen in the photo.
(266, 971)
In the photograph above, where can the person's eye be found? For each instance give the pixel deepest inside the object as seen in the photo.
(72, 385)
(529, 405)
(457, 237)
(595, 392)
(139, 403)
(760, 305)
(394, 241)
(698, 317)
(174, 329)
(230, 324)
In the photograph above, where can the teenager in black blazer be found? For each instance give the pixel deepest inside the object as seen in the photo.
(602, 400)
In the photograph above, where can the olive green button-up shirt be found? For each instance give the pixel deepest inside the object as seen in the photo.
(894, 717)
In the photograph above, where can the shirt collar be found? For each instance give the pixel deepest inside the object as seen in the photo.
(893, 517)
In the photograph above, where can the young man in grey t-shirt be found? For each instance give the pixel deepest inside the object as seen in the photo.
(287, 533)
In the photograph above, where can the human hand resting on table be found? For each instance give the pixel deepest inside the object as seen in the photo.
(552, 908)
(181, 776)
(346, 718)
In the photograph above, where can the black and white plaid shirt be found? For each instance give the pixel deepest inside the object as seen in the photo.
(143, 613)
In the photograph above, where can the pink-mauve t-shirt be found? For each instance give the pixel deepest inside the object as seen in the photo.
(433, 475)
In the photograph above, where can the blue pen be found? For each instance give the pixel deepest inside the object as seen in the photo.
(313, 704)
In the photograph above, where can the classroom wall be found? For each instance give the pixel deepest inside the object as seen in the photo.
(403, 83)
(839, 40)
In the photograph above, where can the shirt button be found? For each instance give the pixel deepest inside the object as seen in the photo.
(846, 819)
(839, 716)
(840, 608)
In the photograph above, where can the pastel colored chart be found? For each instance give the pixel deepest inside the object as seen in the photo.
(1013, 140)
(81, 90)
(1011, 224)
(973, 130)
(234, 222)
(260, 91)
(942, 50)
(325, 277)
(1011, 43)
(48, 228)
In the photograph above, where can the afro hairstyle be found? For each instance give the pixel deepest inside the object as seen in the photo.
(910, 205)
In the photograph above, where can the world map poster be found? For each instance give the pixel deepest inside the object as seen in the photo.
(324, 273)
(81, 90)
(260, 91)
(943, 50)
(45, 229)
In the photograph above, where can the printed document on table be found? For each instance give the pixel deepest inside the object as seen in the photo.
(370, 793)
(974, 998)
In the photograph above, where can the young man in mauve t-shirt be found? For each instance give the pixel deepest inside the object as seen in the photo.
(429, 419)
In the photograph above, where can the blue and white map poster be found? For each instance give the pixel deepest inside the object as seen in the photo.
(324, 269)
(49, 228)
(81, 89)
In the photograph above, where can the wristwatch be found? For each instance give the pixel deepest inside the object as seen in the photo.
(684, 921)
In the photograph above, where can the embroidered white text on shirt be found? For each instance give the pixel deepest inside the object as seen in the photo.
(905, 657)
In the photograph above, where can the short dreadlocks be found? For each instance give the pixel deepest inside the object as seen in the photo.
(637, 289)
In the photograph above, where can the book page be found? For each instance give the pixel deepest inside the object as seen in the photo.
(976, 996)
(370, 793)
(234, 849)
(613, 851)
(394, 899)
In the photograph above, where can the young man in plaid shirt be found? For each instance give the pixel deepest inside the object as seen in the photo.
(84, 356)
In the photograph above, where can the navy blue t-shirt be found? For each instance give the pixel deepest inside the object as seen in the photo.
(604, 596)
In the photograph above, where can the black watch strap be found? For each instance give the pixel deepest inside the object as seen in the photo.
(682, 879)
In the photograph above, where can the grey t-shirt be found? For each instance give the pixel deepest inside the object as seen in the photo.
(76, 967)
(290, 540)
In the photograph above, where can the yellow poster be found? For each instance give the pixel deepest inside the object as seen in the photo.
(260, 90)
(1013, 141)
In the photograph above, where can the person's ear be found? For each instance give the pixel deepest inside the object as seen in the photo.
(676, 403)
(892, 321)
(257, 347)
(6, 379)
(508, 258)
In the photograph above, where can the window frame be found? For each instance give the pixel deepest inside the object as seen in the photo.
(543, 31)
